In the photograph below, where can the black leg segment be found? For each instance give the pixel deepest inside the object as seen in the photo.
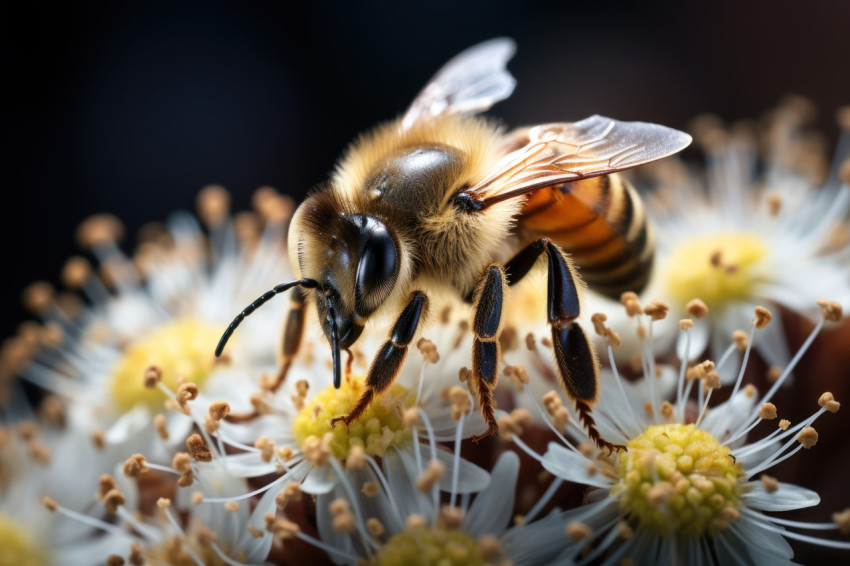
(488, 300)
(574, 355)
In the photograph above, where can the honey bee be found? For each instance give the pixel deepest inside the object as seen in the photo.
(444, 198)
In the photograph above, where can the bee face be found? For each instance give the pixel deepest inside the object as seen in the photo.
(355, 260)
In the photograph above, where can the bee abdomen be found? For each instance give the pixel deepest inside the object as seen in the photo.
(602, 224)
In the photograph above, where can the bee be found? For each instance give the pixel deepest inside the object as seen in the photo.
(442, 198)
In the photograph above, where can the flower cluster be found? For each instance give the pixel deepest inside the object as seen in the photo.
(144, 448)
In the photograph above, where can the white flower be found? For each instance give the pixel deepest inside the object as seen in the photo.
(689, 489)
(290, 434)
(35, 463)
(402, 525)
(757, 230)
(165, 306)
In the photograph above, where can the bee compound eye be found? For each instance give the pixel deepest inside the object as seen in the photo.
(376, 271)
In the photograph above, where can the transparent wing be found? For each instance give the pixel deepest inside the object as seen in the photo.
(471, 82)
(564, 152)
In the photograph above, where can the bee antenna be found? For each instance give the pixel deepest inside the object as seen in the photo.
(334, 344)
(306, 283)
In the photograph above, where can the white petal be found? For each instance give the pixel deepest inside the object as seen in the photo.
(248, 465)
(491, 511)
(698, 340)
(319, 480)
(570, 466)
(734, 550)
(471, 478)
(786, 498)
(749, 530)
(324, 523)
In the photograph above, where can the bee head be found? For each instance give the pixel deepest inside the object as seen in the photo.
(354, 258)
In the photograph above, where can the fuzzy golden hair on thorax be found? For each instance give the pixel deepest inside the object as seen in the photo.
(476, 137)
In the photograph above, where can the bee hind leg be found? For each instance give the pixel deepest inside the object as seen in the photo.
(390, 357)
(487, 325)
(577, 364)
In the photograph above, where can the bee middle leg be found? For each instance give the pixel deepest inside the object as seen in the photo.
(390, 357)
(487, 325)
(576, 359)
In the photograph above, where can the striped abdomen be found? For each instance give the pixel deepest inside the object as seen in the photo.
(601, 223)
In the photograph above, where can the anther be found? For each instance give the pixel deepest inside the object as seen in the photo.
(828, 402)
(451, 517)
(114, 560)
(624, 531)
(213, 204)
(518, 375)
(431, 476)
(285, 529)
(38, 297)
(99, 230)
(842, 520)
(356, 457)
(198, 448)
(529, 342)
(231, 506)
(375, 527)
(428, 350)
(161, 428)
(741, 339)
(112, 500)
(163, 503)
(197, 497)
(831, 311)
(137, 555)
(784, 424)
(49, 503)
(686, 324)
(152, 376)
(106, 483)
(808, 437)
(659, 493)
(696, 308)
(135, 466)
(774, 204)
(219, 410)
(656, 310)
(76, 272)
(763, 317)
(770, 484)
(98, 439)
(577, 531)
(489, 547)
(370, 489)
(767, 411)
(666, 410)
(186, 392)
(266, 448)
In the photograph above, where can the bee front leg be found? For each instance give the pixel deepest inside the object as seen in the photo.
(486, 352)
(576, 359)
(388, 361)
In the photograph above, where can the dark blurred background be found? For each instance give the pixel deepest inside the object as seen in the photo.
(131, 107)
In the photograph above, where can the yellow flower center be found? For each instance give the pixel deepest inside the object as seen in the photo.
(717, 269)
(181, 349)
(378, 428)
(17, 546)
(429, 546)
(678, 480)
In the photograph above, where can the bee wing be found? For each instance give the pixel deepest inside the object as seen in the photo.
(471, 82)
(563, 152)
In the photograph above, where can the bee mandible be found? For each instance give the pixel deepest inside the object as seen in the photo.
(442, 197)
